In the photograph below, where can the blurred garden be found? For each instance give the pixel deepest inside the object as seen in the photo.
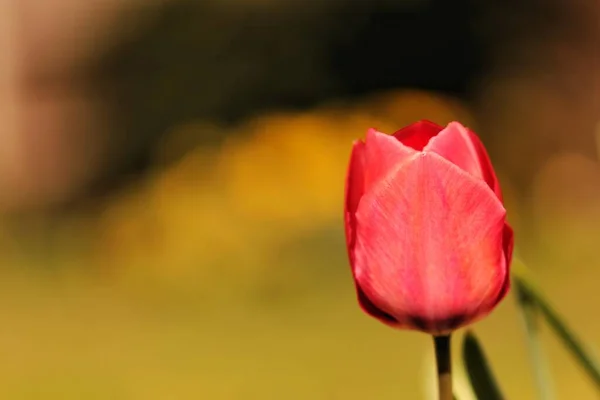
(172, 180)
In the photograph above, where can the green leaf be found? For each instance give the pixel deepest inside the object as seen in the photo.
(478, 370)
(525, 283)
(530, 314)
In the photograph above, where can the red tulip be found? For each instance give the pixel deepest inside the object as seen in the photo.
(426, 228)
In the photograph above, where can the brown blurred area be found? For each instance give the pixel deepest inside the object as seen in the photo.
(171, 181)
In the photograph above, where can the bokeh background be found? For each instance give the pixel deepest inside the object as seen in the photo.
(171, 180)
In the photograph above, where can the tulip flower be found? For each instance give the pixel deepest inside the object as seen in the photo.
(426, 228)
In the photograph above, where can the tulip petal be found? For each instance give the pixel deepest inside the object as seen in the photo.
(354, 190)
(382, 154)
(508, 239)
(463, 148)
(429, 245)
(508, 245)
(417, 135)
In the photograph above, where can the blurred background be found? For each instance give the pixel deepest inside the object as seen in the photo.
(171, 182)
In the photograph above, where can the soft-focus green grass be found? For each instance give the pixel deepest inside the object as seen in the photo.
(68, 339)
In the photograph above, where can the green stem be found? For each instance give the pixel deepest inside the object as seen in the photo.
(444, 366)
(541, 372)
(571, 341)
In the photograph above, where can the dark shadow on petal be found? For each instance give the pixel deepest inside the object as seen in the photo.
(505, 288)
(372, 310)
(419, 323)
(508, 244)
(442, 325)
(454, 322)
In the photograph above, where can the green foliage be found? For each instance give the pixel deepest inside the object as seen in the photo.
(525, 283)
(478, 370)
(533, 306)
(531, 321)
